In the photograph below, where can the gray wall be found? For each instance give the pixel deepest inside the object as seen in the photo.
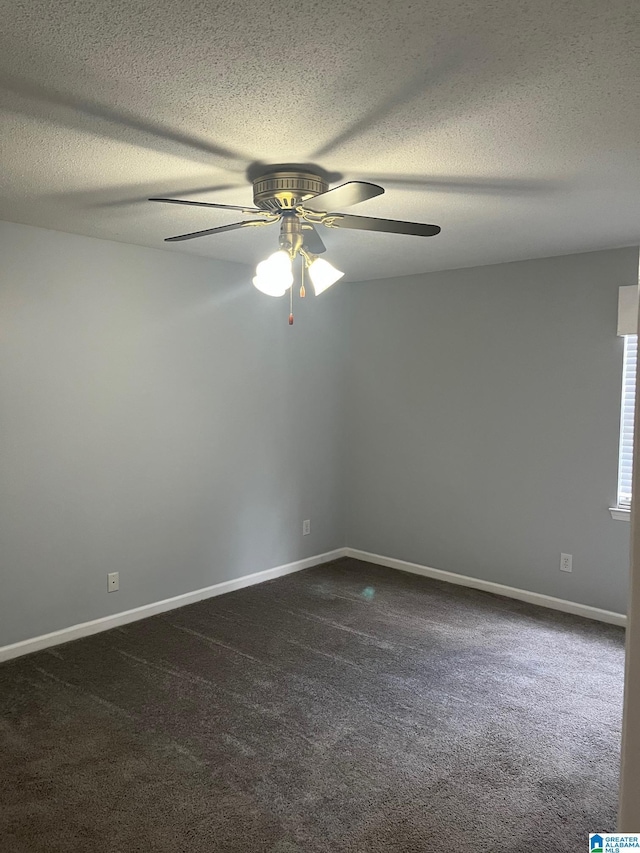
(158, 417)
(484, 413)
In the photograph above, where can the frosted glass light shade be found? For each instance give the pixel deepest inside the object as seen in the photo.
(323, 275)
(275, 275)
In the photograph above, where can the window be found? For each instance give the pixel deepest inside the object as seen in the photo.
(625, 455)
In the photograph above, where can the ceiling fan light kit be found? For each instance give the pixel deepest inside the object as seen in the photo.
(323, 275)
(275, 275)
(300, 199)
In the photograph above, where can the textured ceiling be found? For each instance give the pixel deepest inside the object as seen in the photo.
(513, 125)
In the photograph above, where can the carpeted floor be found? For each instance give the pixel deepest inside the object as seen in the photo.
(345, 708)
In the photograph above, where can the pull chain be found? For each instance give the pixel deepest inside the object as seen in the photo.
(291, 305)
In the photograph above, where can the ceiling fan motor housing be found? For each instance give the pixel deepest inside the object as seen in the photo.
(286, 190)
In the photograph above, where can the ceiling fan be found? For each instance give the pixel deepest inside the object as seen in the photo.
(300, 199)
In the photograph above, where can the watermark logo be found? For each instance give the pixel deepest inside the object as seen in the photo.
(609, 842)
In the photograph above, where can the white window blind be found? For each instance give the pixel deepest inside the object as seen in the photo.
(625, 463)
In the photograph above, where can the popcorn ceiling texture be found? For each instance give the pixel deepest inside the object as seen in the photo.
(514, 126)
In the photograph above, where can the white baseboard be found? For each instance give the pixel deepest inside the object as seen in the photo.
(74, 632)
(596, 613)
(85, 629)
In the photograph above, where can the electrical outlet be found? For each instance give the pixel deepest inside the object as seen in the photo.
(113, 581)
(306, 527)
(566, 562)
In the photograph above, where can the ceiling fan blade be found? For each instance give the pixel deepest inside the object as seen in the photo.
(120, 196)
(312, 240)
(470, 184)
(218, 230)
(353, 192)
(389, 226)
(210, 204)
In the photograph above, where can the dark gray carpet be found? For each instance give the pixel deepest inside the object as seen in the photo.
(345, 708)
